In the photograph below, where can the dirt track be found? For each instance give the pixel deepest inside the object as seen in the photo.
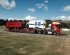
(62, 35)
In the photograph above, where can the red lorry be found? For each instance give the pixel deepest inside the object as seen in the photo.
(36, 26)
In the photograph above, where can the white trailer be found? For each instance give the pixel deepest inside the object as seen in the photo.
(38, 25)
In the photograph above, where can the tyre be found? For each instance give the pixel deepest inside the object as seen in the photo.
(44, 32)
(58, 34)
(35, 31)
(39, 32)
(54, 33)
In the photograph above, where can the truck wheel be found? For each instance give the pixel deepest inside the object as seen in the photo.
(35, 31)
(55, 33)
(58, 34)
(44, 32)
(39, 32)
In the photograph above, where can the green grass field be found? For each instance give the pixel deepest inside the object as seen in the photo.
(65, 32)
(28, 45)
(2, 27)
(15, 44)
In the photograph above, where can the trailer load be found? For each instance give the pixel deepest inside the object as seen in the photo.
(33, 26)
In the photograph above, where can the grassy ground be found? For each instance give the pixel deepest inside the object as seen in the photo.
(12, 44)
(15, 44)
(65, 32)
(2, 27)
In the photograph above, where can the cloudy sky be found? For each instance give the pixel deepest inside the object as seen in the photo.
(35, 9)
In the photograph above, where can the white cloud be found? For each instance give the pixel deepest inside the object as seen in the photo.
(15, 19)
(68, 17)
(61, 18)
(30, 17)
(12, 18)
(26, 18)
(46, 1)
(31, 9)
(39, 5)
(42, 6)
(6, 4)
(46, 8)
(67, 8)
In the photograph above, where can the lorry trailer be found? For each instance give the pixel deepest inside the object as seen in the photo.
(33, 26)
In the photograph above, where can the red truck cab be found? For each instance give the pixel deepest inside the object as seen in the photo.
(56, 28)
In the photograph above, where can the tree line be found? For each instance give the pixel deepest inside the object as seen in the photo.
(62, 24)
(2, 22)
(65, 25)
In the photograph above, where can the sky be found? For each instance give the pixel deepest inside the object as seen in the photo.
(35, 9)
